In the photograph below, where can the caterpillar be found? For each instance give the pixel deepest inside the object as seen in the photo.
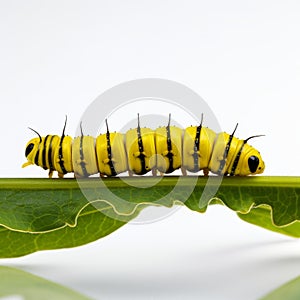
(141, 150)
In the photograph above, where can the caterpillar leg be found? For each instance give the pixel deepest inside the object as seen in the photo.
(130, 173)
(50, 174)
(205, 171)
(154, 172)
(60, 175)
(79, 176)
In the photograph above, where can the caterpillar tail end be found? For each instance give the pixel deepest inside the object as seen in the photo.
(28, 163)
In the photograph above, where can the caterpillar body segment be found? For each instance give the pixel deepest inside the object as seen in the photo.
(168, 143)
(225, 147)
(60, 158)
(111, 153)
(84, 156)
(198, 144)
(141, 150)
(140, 145)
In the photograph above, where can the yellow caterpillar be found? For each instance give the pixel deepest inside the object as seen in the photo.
(141, 150)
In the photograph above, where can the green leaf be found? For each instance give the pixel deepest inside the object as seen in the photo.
(91, 225)
(288, 291)
(15, 283)
(270, 202)
(262, 216)
(41, 214)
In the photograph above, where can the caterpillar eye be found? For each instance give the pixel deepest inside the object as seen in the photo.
(253, 162)
(29, 149)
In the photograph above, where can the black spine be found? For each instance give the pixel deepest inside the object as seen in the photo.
(141, 149)
(109, 153)
(196, 148)
(169, 145)
(82, 163)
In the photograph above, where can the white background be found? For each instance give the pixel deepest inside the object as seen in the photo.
(242, 57)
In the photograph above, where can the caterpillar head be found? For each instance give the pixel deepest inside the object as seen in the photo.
(251, 163)
(256, 164)
(31, 149)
